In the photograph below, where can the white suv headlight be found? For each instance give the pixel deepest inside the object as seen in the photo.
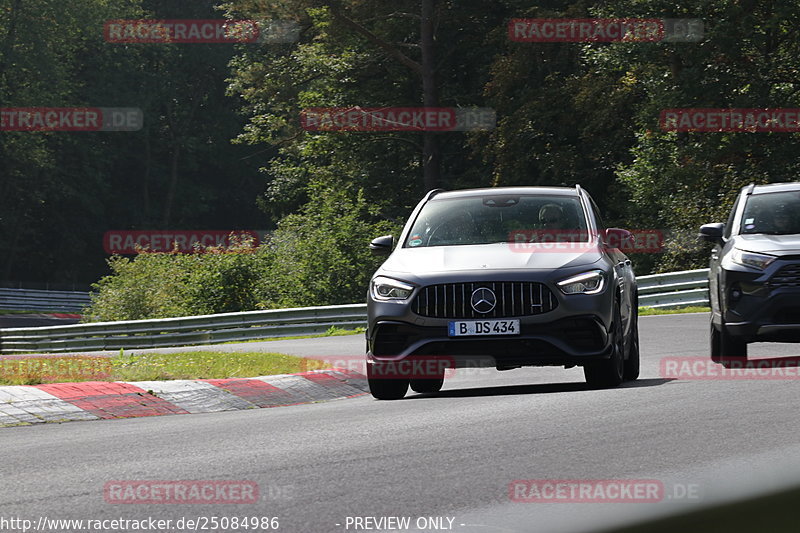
(384, 288)
(759, 261)
(590, 282)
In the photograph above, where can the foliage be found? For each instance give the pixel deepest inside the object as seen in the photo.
(316, 257)
(159, 285)
(320, 255)
(60, 191)
(679, 181)
(567, 113)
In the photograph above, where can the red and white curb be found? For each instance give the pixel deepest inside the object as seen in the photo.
(93, 400)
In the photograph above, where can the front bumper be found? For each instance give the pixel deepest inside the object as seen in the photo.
(568, 341)
(570, 330)
(757, 309)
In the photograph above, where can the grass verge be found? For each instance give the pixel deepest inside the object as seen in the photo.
(332, 332)
(151, 367)
(649, 311)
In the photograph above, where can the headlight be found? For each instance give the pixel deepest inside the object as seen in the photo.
(590, 282)
(759, 261)
(390, 289)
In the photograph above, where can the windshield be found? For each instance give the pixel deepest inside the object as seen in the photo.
(496, 218)
(772, 213)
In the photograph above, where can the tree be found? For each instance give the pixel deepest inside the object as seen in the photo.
(371, 54)
(682, 180)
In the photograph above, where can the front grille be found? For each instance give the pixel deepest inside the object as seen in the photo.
(788, 276)
(513, 298)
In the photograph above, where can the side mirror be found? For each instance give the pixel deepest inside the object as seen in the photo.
(382, 245)
(712, 232)
(621, 239)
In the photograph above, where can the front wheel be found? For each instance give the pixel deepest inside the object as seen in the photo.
(725, 348)
(427, 385)
(631, 369)
(609, 372)
(383, 388)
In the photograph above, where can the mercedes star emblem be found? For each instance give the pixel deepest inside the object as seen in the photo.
(483, 300)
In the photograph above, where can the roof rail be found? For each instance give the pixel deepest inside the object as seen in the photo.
(749, 189)
(432, 193)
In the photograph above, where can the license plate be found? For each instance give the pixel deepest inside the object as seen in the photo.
(483, 327)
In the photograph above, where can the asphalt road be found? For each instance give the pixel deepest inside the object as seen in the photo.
(451, 455)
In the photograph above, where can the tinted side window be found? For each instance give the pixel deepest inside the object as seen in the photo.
(600, 225)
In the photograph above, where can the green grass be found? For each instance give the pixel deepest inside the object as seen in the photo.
(648, 311)
(151, 367)
(332, 332)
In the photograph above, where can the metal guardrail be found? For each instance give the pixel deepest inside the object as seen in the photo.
(675, 289)
(40, 300)
(182, 331)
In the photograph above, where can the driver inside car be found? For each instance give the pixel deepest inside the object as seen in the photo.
(551, 216)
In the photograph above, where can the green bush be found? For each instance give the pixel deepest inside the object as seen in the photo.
(148, 286)
(226, 282)
(160, 285)
(319, 256)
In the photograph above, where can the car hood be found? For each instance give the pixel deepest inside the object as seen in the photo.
(770, 244)
(496, 256)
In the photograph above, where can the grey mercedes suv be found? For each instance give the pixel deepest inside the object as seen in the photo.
(503, 278)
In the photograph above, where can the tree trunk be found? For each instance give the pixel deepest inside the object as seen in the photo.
(13, 221)
(173, 185)
(431, 156)
(145, 216)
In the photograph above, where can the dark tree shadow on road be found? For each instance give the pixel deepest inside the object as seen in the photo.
(541, 388)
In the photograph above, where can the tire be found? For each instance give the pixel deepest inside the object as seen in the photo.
(630, 371)
(385, 388)
(609, 372)
(714, 345)
(725, 348)
(427, 385)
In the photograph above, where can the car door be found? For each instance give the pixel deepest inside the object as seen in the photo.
(623, 272)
